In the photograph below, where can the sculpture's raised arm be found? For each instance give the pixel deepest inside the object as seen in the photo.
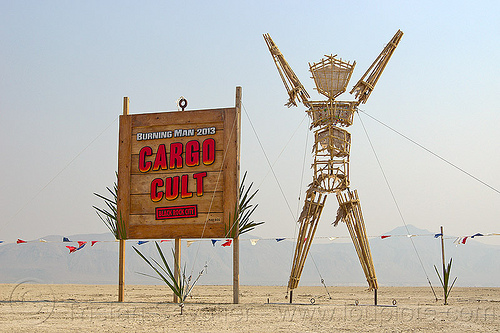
(292, 84)
(365, 85)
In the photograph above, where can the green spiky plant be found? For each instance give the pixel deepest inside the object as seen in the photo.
(445, 280)
(243, 211)
(109, 215)
(181, 288)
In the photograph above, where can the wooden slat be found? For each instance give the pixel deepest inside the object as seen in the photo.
(160, 128)
(149, 219)
(176, 231)
(141, 183)
(215, 166)
(138, 145)
(179, 117)
(142, 204)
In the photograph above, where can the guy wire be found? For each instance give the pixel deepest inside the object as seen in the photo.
(397, 205)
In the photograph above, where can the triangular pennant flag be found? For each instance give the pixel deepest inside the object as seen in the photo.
(227, 242)
(332, 238)
(71, 249)
(81, 245)
(92, 243)
(214, 241)
(464, 240)
(42, 240)
(280, 239)
(19, 241)
(385, 236)
(438, 235)
(66, 239)
(189, 242)
(456, 241)
(478, 234)
(141, 242)
(165, 240)
(1, 241)
(410, 236)
(253, 241)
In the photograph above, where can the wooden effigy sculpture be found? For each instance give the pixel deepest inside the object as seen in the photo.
(331, 149)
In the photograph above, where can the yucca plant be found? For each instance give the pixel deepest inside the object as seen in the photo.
(445, 280)
(181, 288)
(109, 215)
(243, 211)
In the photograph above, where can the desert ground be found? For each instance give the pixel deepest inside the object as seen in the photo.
(31, 307)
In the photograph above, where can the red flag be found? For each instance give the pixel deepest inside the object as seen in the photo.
(385, 236)
(227, 243)
(71, 249)
(19, 241)
(93, 242)
(464, 240)
(81, 244)
(165, 240)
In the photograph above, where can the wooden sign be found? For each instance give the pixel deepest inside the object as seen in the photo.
(178, 173)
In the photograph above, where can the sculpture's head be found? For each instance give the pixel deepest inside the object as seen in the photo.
(331, 75)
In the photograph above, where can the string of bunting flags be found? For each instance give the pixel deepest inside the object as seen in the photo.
(253, 241)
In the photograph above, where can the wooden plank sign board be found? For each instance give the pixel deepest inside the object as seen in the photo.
(178, 173)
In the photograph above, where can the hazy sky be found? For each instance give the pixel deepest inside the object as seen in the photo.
(66, 65)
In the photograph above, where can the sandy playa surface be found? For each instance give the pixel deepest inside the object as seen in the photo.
(30, 307)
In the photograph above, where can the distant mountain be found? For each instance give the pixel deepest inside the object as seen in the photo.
(266, 263)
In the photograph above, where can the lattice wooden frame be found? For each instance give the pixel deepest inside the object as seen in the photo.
(332, 141)
(331, 148)
(331, 176)
(331, 75)
(308, 219)
(364, 87)
(331, 112)
(353, 218)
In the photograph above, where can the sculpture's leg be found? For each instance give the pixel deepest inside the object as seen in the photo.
(331, 174)
(353, 217)
(308, 223)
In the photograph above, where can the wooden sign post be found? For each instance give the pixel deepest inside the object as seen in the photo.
(177, 262)
(178, 173)
(121, 253)
(236, 240)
